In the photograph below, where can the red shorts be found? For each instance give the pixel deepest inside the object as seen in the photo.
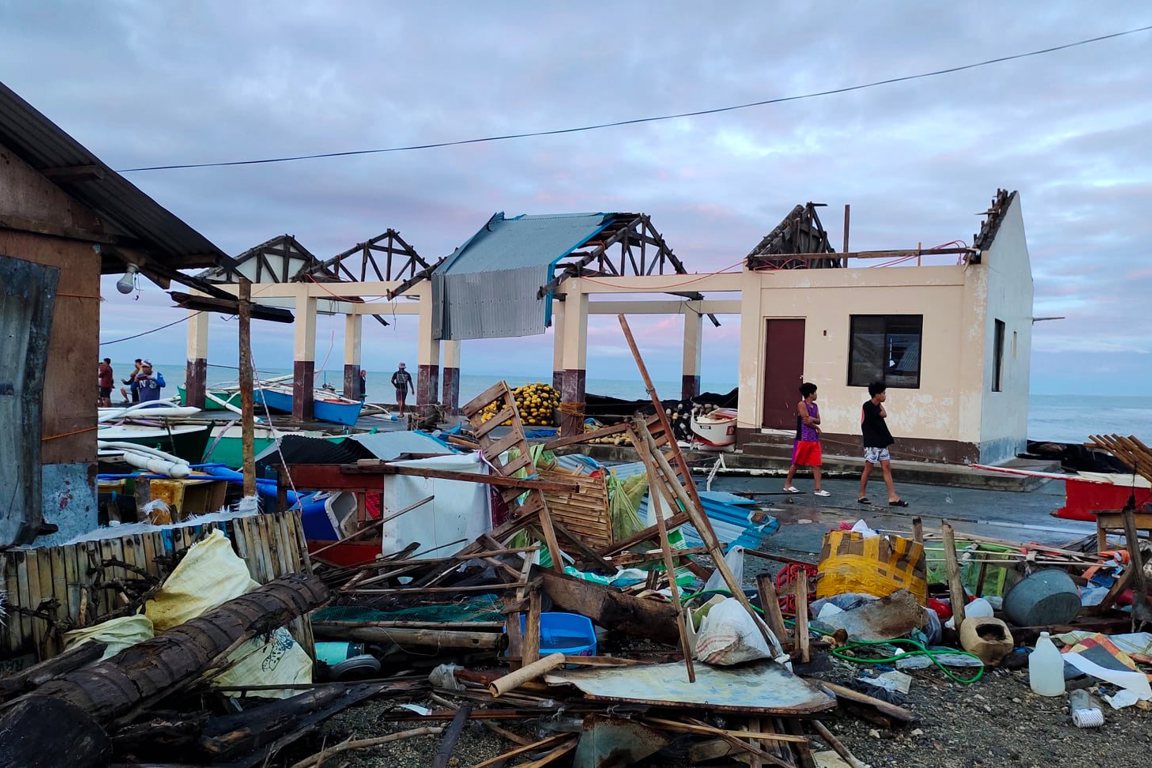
(806, 453)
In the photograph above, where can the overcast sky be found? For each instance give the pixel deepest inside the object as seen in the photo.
(149, 83)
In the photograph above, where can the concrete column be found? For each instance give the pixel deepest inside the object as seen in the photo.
(450, 398)
(353, 343)
(304, 357)
(427, 352)
(749, 411)
(557, 343)
(574, 359)
(693, 332)
(196, 372)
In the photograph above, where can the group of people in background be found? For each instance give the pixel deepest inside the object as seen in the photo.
(806, 451)
(401, 382)
(140, 386)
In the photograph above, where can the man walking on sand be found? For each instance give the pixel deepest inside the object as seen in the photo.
(877, 438)
(806, 451)
(402, 381)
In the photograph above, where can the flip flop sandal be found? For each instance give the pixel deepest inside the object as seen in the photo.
(863, 500)
(898, 503)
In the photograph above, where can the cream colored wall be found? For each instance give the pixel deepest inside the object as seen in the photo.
(941, 409)
(1004, 414)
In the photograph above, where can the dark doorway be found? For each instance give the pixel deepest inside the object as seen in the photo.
(783, 372)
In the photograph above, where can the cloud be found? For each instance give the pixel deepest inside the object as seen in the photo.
(144, 83)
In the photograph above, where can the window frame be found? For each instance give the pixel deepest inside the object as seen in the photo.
(888, 321)
(998, 333)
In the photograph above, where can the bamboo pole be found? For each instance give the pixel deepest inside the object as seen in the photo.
(247, 429)
(513, 680)
(666, 549)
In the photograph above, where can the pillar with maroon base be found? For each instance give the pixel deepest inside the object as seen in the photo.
(450, 397)
(427, 353)
(693, 333)
(353, 341)
(574, 355)
(557, 344)
(196, 372)
(304, 356)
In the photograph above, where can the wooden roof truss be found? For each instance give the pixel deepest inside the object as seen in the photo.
(800, 233)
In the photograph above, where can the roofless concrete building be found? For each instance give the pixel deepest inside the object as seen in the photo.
(952, 342)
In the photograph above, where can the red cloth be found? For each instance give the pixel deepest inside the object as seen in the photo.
(806, 453)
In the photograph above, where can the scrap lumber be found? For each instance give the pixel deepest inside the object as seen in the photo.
(770, 605)
(150, 670)
(610, 608)
(375, 525)
(535, 746)
(889, 712)
(451, 736)
(690, 503)
(836, 745)
(654, 486)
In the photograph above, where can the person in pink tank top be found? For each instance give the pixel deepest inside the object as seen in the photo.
(806, 450)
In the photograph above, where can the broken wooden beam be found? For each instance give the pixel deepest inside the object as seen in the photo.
(611, 608)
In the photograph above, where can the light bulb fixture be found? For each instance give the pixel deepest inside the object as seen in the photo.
(128, 282)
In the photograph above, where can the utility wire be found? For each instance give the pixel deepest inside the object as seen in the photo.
(651, 119)
(145, 333)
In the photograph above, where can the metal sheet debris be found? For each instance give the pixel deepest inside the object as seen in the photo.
(763, 688)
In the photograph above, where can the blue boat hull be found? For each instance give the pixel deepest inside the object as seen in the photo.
(322, 410)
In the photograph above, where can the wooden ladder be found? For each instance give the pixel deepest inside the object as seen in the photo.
(527, 508)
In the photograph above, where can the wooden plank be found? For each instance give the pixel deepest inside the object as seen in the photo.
(477, 404)
(770, 603)
(530, 646)
(60, 589)
(800, 590)
(493, 423)
(32, 580)
(11, 633)
(952, 565)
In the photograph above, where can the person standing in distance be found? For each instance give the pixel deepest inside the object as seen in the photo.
(363, 385)
(105, 379)
(148, 383)
(402, 381)
(877, 438)
(806, 451)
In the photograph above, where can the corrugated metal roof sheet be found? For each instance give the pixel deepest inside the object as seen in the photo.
(125, 210)
(523, 241)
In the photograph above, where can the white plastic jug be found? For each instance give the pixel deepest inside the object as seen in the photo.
(1046, 668)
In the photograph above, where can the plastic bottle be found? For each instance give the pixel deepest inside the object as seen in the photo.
(1046, 668)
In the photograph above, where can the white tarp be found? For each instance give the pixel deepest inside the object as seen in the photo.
(459, 512)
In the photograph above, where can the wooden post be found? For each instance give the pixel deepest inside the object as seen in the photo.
(918, 530)
(955, 587)
(247, 425)
(800, 589)
(769, 601)
(530, 652)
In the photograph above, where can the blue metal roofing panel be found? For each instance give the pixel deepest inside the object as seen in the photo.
(523, 241)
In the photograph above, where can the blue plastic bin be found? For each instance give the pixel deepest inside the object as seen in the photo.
(568, 633)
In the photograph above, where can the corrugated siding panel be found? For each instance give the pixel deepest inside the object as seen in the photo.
(488, 305)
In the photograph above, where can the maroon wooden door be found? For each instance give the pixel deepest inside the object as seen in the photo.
(783, 372)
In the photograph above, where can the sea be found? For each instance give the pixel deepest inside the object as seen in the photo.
(1058, 418)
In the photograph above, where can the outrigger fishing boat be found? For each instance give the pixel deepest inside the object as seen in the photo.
(327, 406)
(714, 430)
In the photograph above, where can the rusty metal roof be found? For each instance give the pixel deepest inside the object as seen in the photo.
(126, 212)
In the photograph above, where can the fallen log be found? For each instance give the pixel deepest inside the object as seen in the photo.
(35, 676)
(40, 732)
(611, 608)
(150, 670)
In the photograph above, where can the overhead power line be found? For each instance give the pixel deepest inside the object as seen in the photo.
(651, 119)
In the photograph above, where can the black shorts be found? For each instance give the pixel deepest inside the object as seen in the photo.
(105, 391)
(402, 394)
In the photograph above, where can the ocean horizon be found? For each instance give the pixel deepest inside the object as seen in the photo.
(1067, 418)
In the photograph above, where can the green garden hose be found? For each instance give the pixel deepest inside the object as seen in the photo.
(918, 649)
